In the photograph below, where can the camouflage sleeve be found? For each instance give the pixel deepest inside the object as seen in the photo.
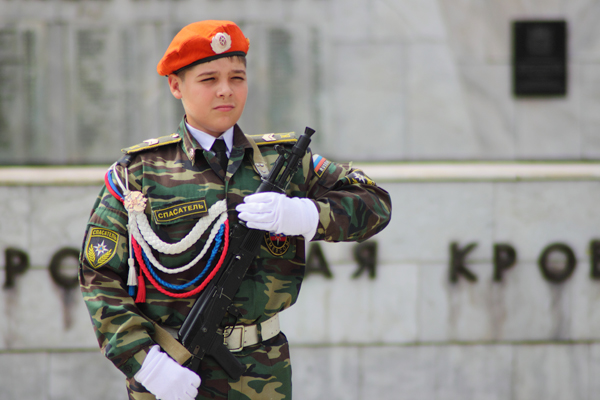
(351, 206)
(122, 332)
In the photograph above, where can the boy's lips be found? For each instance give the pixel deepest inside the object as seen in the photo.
(225, 107)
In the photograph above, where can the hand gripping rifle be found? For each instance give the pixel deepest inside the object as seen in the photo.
(201, 333)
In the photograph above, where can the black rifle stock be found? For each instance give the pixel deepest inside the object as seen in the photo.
(201, 333)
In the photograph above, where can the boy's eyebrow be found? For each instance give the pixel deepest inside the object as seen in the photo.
(235, 71)
(206, 73)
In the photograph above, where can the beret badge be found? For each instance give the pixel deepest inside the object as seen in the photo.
(221, 42)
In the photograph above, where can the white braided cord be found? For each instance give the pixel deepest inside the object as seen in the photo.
(140, 229)
(138, 236)
(124, 188)
(188, 241)
(184, 244)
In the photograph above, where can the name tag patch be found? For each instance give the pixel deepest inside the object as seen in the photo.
(101, 246)
(192, 209)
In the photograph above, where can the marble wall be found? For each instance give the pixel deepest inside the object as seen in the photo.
(431, 79)
(408, 333)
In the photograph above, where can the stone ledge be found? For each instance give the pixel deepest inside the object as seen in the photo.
(52, 176)
(484, 171)
(380, 172)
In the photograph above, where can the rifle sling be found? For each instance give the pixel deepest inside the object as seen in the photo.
(169, 344)
(161, 336)
(260, 164)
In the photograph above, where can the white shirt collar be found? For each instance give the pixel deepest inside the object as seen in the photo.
(206, 140)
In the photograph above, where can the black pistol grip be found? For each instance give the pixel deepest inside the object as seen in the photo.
(227, 361)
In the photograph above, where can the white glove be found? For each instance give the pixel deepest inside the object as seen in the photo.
(165, 378)
(275, 212)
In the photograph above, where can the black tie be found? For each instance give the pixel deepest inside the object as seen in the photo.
(220, 149)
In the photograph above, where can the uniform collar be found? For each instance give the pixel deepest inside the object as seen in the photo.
(190, 145)
(206, 140)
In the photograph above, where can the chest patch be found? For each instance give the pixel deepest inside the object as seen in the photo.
(277, 244)
(101, 246)
(191, 209)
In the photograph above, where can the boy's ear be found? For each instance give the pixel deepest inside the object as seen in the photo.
(174, 85)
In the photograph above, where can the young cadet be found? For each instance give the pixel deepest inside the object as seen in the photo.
(157, 231)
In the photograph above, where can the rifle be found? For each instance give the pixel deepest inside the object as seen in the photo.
(201, 333)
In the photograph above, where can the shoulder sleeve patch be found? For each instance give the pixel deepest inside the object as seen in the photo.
(275, 138)
(357, 177)
(320, 164)
(152, 143)
(101, 246)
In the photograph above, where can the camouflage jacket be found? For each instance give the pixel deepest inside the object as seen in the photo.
(180, 181)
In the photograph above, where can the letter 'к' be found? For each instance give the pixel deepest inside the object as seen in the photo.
(201, 333)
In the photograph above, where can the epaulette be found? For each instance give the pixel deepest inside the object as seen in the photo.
(152, 143)
(275, 138)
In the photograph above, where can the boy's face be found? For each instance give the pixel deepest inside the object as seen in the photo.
(213, 94)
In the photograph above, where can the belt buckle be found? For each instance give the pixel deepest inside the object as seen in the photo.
(230, 331)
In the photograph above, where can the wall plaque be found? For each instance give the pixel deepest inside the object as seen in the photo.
(540, 58)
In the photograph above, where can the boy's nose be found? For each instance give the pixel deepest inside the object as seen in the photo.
(224, 90)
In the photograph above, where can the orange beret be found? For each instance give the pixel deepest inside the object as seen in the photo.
(202, 42)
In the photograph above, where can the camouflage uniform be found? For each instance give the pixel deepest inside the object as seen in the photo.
(179, 175)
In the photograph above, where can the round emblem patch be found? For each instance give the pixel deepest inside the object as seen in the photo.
(221, 42)
(277, 244)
